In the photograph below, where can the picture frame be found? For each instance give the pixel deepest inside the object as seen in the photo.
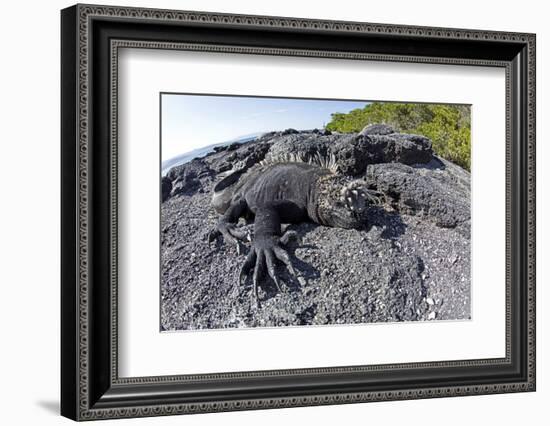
(91, 37)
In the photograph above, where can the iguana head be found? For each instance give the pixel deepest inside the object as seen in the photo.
(342, 202)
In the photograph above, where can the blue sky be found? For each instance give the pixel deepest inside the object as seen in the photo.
(193, 121)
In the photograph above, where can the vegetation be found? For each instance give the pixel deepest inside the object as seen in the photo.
(448, 126)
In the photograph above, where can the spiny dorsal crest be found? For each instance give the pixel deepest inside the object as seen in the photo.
(327, 162)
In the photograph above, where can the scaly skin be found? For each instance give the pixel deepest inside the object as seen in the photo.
(284, 193)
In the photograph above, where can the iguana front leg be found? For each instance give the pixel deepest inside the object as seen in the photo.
(266, 247)
(227, 225)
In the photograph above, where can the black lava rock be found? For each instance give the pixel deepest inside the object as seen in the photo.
(166, 187)
(377, 129)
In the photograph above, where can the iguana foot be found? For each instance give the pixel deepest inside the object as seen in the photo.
(262, 254)
(231, 234)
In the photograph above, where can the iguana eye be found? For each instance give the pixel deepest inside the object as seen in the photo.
(340, 204)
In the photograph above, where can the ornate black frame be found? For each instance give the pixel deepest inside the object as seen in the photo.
(90, 386)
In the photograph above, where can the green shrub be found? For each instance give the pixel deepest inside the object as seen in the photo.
(448, 126)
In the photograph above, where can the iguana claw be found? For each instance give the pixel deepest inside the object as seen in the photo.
(231, 234)
(263, 255)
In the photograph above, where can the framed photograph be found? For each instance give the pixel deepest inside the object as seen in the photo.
(263, 212)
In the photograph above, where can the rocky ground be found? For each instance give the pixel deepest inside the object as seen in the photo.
(411, 262)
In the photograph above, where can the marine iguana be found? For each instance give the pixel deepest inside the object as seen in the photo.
(284, 192)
